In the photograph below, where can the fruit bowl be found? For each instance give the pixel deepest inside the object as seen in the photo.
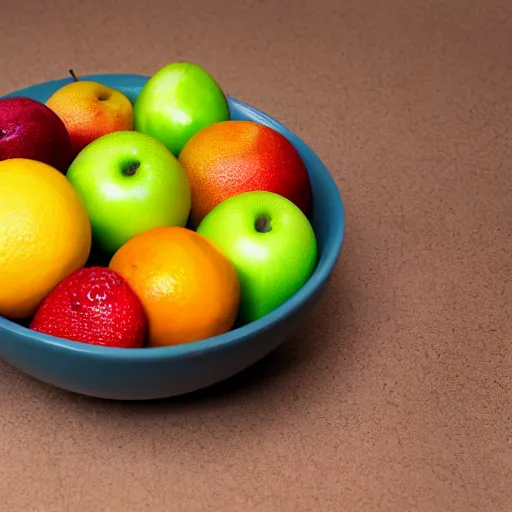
(161, 372)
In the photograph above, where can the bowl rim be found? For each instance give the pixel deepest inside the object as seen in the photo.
(322, 272)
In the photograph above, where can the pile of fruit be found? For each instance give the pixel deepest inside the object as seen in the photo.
(152, 222)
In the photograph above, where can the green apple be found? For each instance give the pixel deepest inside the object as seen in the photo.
(176, 102)
(129, 183)
(270, 242)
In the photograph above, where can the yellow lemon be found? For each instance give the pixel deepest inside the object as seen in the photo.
(45, 234)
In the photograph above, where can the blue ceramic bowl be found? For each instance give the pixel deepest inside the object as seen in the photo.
(151, 373)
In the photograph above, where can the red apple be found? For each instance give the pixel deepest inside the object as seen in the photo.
(29, 129)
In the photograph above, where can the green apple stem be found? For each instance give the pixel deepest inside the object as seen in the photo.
(262, 224)
(131, 168)
(72, 73)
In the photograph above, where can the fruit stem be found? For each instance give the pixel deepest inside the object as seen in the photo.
(72, 73)
(262, 224)
(131, 169)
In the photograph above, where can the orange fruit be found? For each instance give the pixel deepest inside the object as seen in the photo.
(90, 110)
(228, 158)
(45, 234)
(189, 289)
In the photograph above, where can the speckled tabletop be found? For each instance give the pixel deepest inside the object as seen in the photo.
(397, 396)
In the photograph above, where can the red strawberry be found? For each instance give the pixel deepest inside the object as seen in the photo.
(93, 305)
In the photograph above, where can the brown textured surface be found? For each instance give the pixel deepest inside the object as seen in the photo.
(397, 397)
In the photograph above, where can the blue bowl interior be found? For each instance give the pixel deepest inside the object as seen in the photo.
(327, 218)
